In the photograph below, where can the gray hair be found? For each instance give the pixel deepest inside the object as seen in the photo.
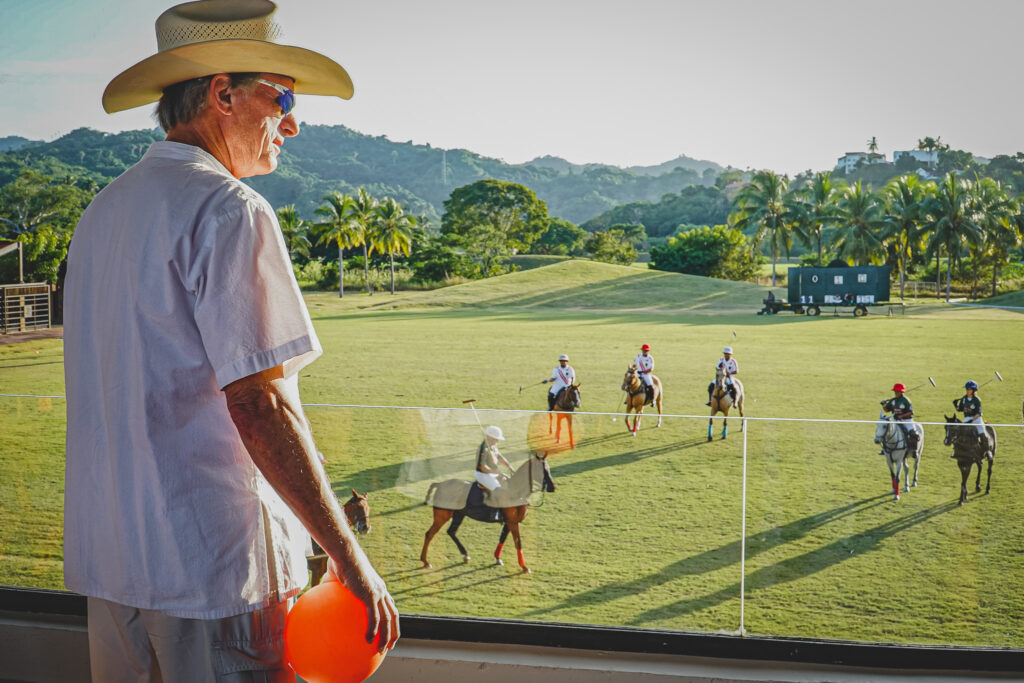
(182, 102)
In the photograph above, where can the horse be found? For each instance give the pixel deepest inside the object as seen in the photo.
(567, 401)
(455, 500)
(636, 397)
(889, 433)
(722, 401)
(357, 511)
(968, 452)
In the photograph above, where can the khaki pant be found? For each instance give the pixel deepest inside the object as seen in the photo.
(129, 645)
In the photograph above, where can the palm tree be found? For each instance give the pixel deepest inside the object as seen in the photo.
(814, 208)
(873, 144)
(362, 210)
(953, 221)
(392, 231)
(904, 214)
(931, 144)
(996, 210)
(340, 229)
(860, 218)
(295, 231)
(762, 205)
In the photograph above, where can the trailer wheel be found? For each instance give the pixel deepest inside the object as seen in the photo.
(813, 310)
(860, 311)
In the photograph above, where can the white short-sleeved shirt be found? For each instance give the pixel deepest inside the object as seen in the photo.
(561, 378)
(178, 284)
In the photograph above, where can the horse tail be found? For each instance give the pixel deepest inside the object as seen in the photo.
(430, 493)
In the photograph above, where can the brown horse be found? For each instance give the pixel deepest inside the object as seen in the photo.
(967, 452)
(567, 401)
(722, 401)
(357, 511)
(636, 397)
(455, 500)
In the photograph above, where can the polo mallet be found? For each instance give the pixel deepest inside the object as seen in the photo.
(930, 381)
(470, 401)
(543, 381)
(997, 377)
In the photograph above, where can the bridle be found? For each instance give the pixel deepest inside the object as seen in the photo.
(900, 441)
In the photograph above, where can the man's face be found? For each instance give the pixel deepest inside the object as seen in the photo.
(258, 130)
(728, 356)
(563, 363)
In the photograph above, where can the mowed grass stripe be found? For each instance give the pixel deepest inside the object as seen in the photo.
(645, 531)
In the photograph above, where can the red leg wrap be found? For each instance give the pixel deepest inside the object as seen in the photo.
(497, 551)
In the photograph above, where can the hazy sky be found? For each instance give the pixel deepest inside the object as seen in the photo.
(787, 85)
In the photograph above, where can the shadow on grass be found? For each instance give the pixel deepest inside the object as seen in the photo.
(729, 554)
(445, 577)
(800, 566)
(619, 459)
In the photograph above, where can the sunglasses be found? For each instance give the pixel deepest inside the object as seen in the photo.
(286, 98)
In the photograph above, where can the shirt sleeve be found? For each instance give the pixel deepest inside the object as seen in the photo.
(248, 306)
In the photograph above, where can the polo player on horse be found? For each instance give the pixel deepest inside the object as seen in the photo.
(728, 365)
(644, 363)
(902, 412)
(970, 405)
(561, 379)
(487, 458)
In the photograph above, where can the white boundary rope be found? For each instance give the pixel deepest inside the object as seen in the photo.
(702, 416)
(743, 533)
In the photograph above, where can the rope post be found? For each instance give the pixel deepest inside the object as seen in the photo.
(743, 532)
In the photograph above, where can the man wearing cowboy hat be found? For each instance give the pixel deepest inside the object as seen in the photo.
(561, 377)
(192, 475)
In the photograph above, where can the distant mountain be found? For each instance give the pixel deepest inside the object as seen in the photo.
(682, 161)
(327, 158)
(14, 142)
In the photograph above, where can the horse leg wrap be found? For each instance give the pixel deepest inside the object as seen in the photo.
(522, 560)
(497, 551)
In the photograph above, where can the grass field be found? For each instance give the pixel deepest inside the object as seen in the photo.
(642, 531)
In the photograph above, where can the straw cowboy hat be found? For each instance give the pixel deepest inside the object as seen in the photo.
(208, 37)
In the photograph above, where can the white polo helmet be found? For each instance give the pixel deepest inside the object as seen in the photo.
(727, 349)
(564, 356)
(495, 433)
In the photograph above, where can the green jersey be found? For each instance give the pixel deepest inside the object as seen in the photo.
(968, 405)
(900, 407)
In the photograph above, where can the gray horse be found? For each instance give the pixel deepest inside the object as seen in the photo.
(889, 433)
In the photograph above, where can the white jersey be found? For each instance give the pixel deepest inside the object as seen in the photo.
(561, 378)
(645, 364)
(730, 366)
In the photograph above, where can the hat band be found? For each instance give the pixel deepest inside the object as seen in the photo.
(172, 35)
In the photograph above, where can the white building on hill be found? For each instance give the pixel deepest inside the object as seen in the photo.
(851, 160)
(928, 157)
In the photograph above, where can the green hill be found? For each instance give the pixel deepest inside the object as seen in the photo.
(326, 158)
(579, 286)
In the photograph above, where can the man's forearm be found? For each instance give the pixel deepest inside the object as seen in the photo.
(276, 434)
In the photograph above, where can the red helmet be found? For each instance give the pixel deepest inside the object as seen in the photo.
(645, 347)
(899, 386)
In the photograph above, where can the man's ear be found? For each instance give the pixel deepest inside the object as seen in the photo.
(219, 94)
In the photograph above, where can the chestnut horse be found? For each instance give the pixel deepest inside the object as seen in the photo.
(967, 452)
(722, 401)
(636, 397)
(357, 511)
(507, 504)
(568, 400)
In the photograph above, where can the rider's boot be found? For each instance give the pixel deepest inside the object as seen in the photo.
(650, 395)
(986, 447)
(710, 389)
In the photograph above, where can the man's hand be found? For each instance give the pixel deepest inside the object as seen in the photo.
(382, 615)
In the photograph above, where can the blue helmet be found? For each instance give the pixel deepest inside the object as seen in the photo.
(971, 384)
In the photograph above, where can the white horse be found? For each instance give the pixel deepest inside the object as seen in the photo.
(889, 433)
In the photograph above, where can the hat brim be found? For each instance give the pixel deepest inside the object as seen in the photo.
(144, 82)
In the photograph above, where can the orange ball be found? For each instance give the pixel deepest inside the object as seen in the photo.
(325, 636)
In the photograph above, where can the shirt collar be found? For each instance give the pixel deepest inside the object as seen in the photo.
(177, 150)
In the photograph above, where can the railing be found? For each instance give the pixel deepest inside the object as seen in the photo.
(787, 528)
